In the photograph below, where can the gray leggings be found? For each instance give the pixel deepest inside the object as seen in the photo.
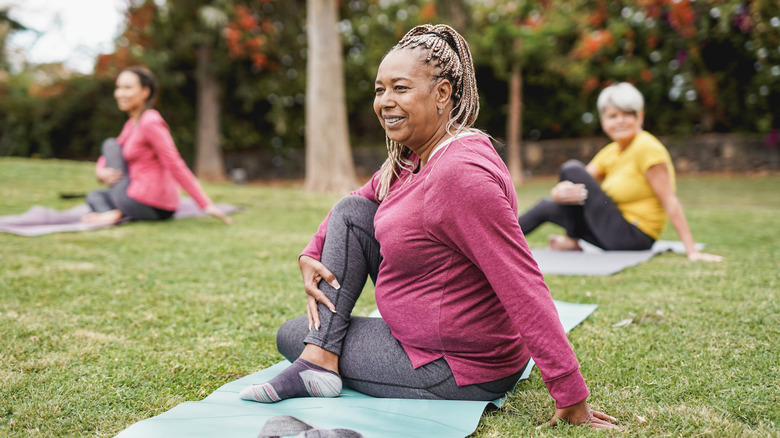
(371, 360)
(599, 221)
(115, 197)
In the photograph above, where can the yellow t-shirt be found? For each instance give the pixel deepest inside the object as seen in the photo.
(625, 181)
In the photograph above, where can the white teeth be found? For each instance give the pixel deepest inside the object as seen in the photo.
(392, 119)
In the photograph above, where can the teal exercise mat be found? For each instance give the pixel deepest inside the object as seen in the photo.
(595, 261)
(223, 414)
(39, 220)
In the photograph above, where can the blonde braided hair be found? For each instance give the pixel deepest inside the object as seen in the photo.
(451, 58)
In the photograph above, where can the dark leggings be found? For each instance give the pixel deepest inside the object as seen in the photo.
(371, 360)
(115, 197)
(598, 221)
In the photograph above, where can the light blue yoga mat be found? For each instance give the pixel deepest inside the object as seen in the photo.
(223, 414)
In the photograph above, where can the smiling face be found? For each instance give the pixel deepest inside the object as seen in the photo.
(129, 94)
(621, 126)
(407, 100)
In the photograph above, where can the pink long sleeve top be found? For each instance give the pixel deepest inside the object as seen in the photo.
(457, 279)
(155, 168)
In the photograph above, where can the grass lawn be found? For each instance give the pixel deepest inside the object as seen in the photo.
(104, 328)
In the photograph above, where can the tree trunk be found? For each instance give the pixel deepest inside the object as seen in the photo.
(208, 163)
(453, 13)
(514, 125)
(329, 164)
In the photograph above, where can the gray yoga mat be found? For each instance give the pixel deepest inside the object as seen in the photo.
(595, 261)
(39, 220)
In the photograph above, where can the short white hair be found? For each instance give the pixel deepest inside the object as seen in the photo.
(622, 96)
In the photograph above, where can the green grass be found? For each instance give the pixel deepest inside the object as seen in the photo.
(105, 328)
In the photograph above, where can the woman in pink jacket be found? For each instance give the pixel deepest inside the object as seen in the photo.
(142, 167)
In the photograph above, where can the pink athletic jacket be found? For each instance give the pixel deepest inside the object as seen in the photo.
(457, 279)
(155, 168)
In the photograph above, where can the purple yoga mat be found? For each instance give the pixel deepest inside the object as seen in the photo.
(41, 220)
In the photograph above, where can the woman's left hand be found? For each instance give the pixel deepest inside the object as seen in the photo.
(696, 256)
(569, 193)
(581, 415)
(217, 213)
(109, 176)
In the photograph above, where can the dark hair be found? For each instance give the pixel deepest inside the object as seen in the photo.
(147, 81)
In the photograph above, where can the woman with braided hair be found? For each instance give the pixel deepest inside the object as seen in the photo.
(463, 304)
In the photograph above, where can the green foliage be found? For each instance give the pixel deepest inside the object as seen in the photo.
(7, 25)
(262, 81)
(105, 328)
(369, 30)
(49, 126)
(703, 66)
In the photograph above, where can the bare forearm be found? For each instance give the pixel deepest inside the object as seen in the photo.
(680, 223)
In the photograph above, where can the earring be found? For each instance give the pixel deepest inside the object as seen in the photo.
(441, 111)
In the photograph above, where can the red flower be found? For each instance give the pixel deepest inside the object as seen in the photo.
(707, 88)
(681, 17)
(591, 43)
(590, 84)
(259, 60)
(254, 44)
(427, 12)
(652, 42)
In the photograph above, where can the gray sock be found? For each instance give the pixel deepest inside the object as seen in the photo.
(287, 425)
(301, 379)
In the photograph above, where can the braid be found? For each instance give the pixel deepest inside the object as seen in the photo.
(397, 160)
(450, 55)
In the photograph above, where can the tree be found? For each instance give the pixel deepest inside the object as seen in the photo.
(708, 65)
(514, 124)
(510, 36)
(206, 19)
(454, 12)
(7, 26)
(236, 69)
(208, 165)
(368, 31)
(159, 35)
(329, 164)
(233, 66)
(704, 65)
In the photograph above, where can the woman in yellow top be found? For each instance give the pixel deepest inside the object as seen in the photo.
(622, 198)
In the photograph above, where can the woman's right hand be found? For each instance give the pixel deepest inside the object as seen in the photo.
(568, 193)
(109, 176)
(212, 210)
(313, 271)
(696, 256)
